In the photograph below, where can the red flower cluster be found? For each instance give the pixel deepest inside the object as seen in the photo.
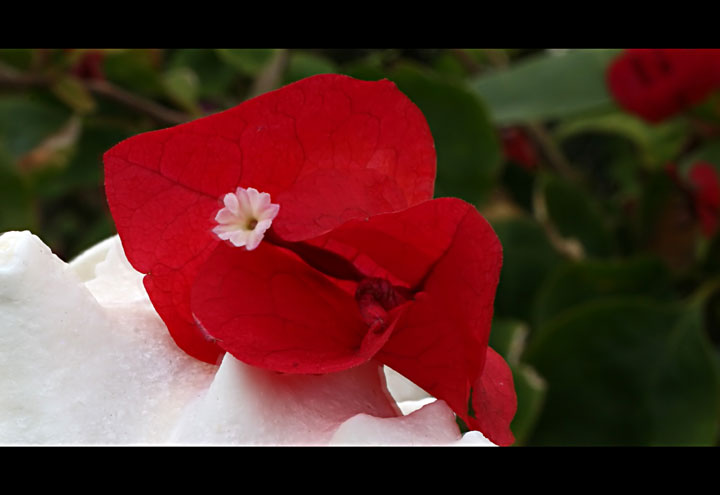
(518, 148)
(90, 65)
(358, 263)
(706, 196)
(659, 83)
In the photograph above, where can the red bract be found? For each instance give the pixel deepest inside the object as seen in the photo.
(359, 264)
(706, 196)
(659, 83)
(518, 147)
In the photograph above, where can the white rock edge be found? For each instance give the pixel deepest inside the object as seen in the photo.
(85, 360)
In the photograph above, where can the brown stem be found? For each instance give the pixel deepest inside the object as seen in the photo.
(10, 78)
(552, 151)
(135, 102)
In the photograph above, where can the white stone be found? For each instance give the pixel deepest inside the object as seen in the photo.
(84, 359)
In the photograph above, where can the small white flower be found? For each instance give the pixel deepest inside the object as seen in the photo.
(245, 218)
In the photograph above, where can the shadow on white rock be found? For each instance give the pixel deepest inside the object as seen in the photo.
(84, 359)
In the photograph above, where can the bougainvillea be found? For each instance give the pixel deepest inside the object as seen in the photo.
(706, 196)
(518, 148)
(656, 84)
(355, 261)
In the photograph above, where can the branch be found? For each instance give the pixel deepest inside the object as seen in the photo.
(10, 78)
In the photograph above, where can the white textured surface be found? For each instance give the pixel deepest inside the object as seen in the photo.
(84, 359)
(282, 409)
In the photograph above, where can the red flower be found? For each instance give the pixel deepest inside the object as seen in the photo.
(660, 83)
(354, 260)
(706, 196)
(89, 66)
(518, 148)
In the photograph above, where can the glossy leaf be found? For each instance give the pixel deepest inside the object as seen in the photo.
(528, 258)
(25, 123)
(576, 283)
(576, 216)
(548, 86)
(468, 149)
(627, 373)
(531, 389)
(182, 85)
(656, 144)
(249, 61)
(304, 64)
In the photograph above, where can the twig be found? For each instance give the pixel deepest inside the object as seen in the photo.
(10, 78)
(552, 151)
(137, 103)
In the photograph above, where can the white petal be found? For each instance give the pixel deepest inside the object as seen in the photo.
(231, 203)
(225, 216)
(269, 212)
(238, 238)
(244, 202)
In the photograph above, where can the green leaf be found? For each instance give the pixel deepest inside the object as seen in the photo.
(507, 338)
(85, 167)
(656, 144)
(369, 68)
(576, 216)
(627, 372)
(17, 211)
(576, 283)
(182, 86)
(19, 58)
(216, 78)
(71, 92)
(548, 86)
(708, 152)
(248, 61)
(25, 123)
(528, 258)
(305, 64)
(134, 70)
(530, 389)
(468, 151)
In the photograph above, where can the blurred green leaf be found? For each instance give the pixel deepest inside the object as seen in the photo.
(657, 144)
(25, 123)
(576, 283)
(248, 61)
(576, 215)
(369, 68)
(72, 92)
(507, 337)
(305, 64)
(530, 389)
(624, 372)
(216, 78)
(17, 211)
(134, 70)
(449, 64)
(548, 86)
(85, 167)
(708, 152)
(468, 151)
(181, 84)
(528, 258)
(19, 58)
